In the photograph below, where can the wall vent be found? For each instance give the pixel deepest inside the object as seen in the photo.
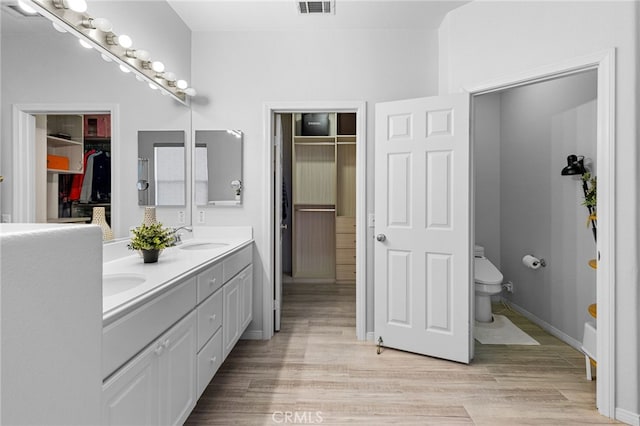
(316, 7)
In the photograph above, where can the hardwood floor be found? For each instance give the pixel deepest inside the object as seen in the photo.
(314, 371)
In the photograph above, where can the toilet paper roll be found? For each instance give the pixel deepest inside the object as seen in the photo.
(531, 261)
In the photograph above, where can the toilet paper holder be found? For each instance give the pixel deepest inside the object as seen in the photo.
(533, 262)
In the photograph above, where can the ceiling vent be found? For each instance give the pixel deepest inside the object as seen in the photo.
(316, 7)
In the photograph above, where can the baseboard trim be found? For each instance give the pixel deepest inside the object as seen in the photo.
(252, 335)
(546, 326)
(627, 417)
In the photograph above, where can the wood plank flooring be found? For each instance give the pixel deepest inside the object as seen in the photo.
(314, 371)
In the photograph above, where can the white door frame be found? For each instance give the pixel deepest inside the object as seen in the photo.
(604, 63)
(24, 163)
(269, 110)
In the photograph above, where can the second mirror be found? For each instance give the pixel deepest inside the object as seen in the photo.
(218, 167)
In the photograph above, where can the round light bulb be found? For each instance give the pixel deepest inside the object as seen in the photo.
(181, 84)
(143, 55)
(84, 44)
(105, 57)
(153, 86)
(190, 91)
(124, 69)
(169, 76)
(157, 66)
(101, 24)
(124, 41)
(58, 27)
(79, 6)
(26, 8)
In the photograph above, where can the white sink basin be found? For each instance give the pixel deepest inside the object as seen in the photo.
(205, 245)
(117, 283)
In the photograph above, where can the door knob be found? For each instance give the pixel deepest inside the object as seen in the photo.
(381, 237)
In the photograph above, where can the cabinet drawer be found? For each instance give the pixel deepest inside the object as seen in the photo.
(209, 317)
(345, 225)
(346, 241)
(345, 256)
(237, 262)
(209, 360)
(209, 281)
(345, 272)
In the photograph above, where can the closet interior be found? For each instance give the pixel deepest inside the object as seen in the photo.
(322, 180)
(73, 167)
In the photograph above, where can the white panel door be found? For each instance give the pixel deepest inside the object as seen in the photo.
(422, 252)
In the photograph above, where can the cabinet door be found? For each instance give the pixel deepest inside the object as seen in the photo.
(232, 321)
(178, 372)
(131, 395)
(246, 277)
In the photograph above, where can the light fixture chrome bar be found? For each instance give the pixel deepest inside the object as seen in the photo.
(98, 40)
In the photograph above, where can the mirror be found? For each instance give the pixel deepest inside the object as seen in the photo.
(218, 167)
(161, 168)
(84, 82)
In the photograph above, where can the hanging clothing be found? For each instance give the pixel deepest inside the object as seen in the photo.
(101, 178)
(76, 184)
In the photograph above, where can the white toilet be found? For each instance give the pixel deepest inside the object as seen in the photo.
(487, 282)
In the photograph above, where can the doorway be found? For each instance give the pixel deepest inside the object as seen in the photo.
(604, 64)
(524, 206)
(273, 286)
(29, 159)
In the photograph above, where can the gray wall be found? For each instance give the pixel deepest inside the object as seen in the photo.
(486, 163)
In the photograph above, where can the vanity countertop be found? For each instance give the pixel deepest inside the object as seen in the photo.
(174, 265)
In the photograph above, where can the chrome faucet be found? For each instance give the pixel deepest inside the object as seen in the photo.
(177, 237)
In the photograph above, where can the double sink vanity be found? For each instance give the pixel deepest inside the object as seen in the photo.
(168, 326)
(147, 355)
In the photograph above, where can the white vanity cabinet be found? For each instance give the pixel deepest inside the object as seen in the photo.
(158, 385)
(238, 307)
(160, 357)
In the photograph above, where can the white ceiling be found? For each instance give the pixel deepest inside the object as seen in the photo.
(243, 15)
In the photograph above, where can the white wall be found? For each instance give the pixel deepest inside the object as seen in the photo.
(237, 72)
(541, 211)
(484, 40)
(46, 67)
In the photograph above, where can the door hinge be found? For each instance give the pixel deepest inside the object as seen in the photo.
(276, 304)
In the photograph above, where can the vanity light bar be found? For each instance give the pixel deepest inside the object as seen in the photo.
(103, 42)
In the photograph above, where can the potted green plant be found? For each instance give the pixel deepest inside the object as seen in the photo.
(150, 240)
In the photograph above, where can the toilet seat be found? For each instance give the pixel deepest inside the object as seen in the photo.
(486, 272)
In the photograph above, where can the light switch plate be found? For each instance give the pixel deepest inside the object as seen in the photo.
(201, 216)
(181, 217)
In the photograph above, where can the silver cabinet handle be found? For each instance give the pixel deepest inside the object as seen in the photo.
(381, 237)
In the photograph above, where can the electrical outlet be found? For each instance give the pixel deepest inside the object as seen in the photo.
(181, 218)
(202, 217)
(6, 218)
